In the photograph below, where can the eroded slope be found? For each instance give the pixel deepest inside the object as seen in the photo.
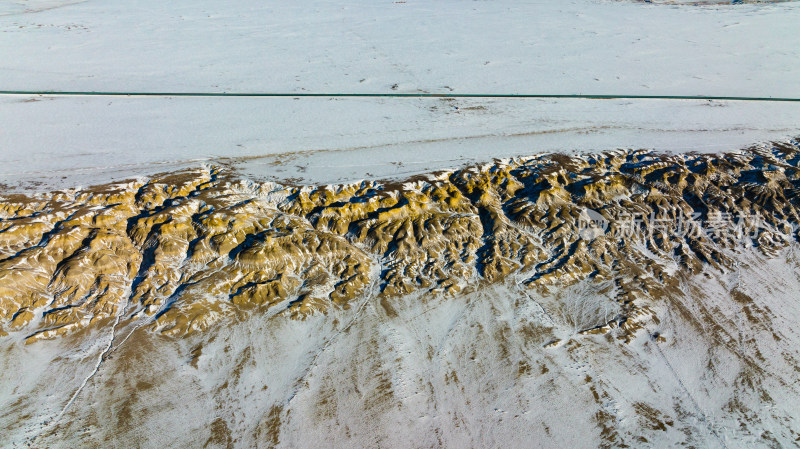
(183, 251)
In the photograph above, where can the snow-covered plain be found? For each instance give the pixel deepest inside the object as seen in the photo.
(86, 141)
(473, 370)
(366, 46)
(455, 46)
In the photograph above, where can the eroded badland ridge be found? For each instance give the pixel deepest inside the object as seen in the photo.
(622, 299)
(184, 251)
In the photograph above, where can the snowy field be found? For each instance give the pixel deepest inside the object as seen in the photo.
(577, 46)
(461, 46)
(461, 372)
(84, 141)
(714, 365)
(490, 47)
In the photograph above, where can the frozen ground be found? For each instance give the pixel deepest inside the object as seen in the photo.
(367, 46)
(469, 371)
(718, 368)
(578, 46)
(91, 140)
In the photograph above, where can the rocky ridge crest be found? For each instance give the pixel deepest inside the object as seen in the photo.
(183, 251)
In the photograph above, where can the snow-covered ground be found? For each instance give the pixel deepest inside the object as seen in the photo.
(93, 140)
(469, 371)
(575, 46)
(718, 368)
(366, 46)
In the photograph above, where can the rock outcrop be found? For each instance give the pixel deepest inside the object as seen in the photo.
(184, 251)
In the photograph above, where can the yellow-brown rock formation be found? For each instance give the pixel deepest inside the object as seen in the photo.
(184, 251)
